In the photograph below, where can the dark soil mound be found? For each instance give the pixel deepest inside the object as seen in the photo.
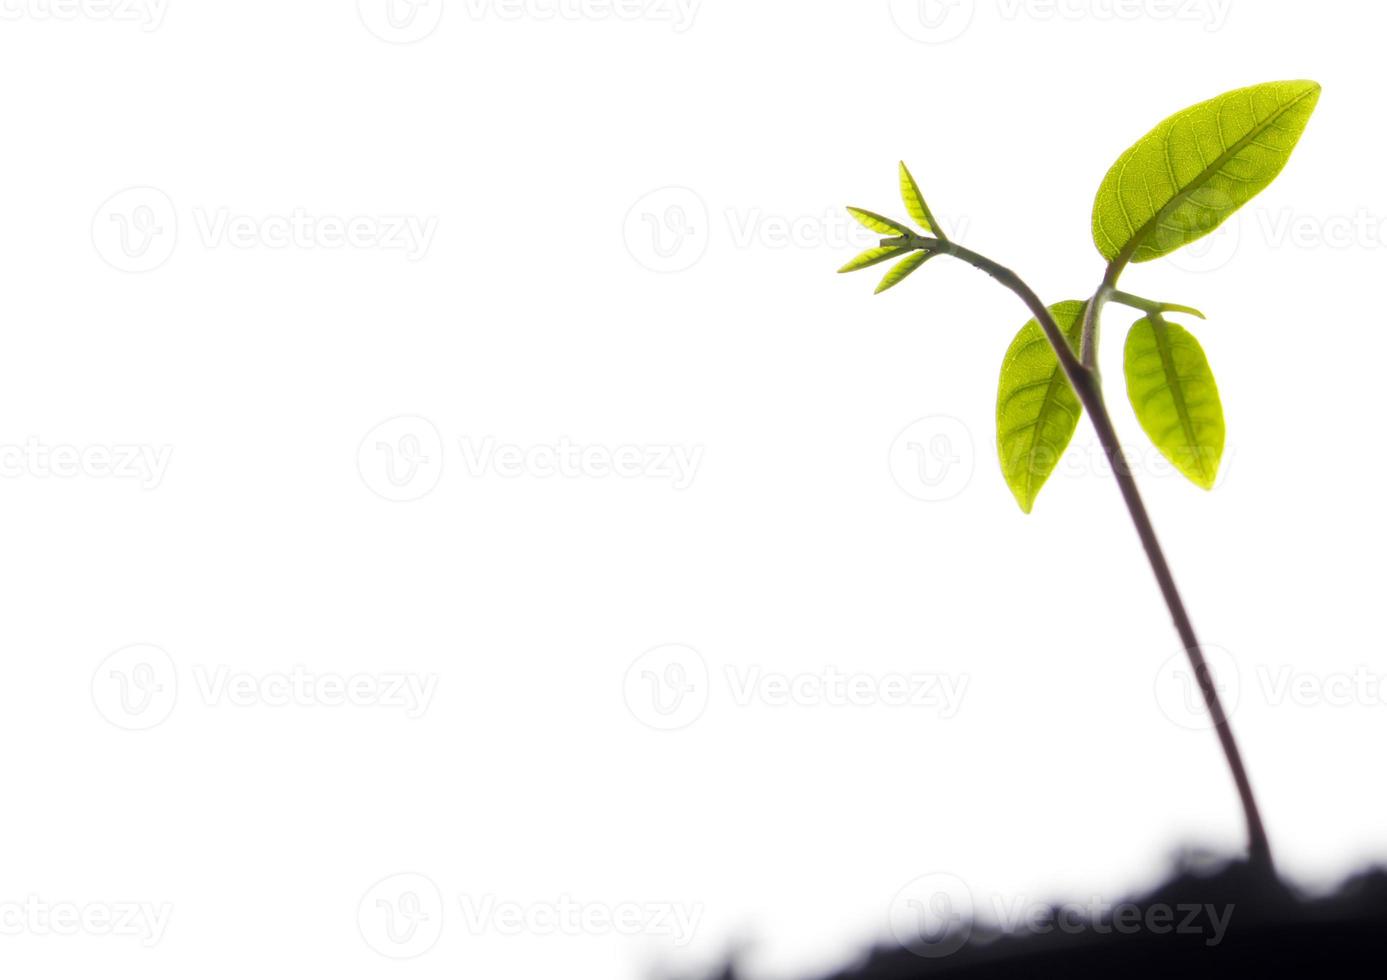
(1233, 923)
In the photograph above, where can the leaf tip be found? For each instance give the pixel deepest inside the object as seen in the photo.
(1207, 476)
(1310, 89)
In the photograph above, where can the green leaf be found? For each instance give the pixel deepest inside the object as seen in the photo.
(877, 223)
(874, 255)
(915, 202)
(1175, 397)
(1037, 410)
(1185, 177)
(902, 269)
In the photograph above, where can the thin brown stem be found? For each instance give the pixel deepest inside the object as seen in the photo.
(1083, 375)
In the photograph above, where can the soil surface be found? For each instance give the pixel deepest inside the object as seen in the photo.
(1233, 922)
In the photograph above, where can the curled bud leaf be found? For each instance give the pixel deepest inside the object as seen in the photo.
(883, 226)
(915, 203)
(874, 255)
(902, 269)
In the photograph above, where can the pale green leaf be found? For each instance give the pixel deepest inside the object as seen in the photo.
(874, 221)
(902, 269)
(1176, 400)
(1184, 178)
(1037, 410)
(874, 255)
(915, 202)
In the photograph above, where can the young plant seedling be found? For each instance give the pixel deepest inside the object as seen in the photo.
(1176, 184)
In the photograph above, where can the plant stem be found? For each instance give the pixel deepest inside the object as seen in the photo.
(1083, 375)
(1151, 305)
(1093, 310)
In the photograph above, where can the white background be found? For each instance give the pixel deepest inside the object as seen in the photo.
(259, 367)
